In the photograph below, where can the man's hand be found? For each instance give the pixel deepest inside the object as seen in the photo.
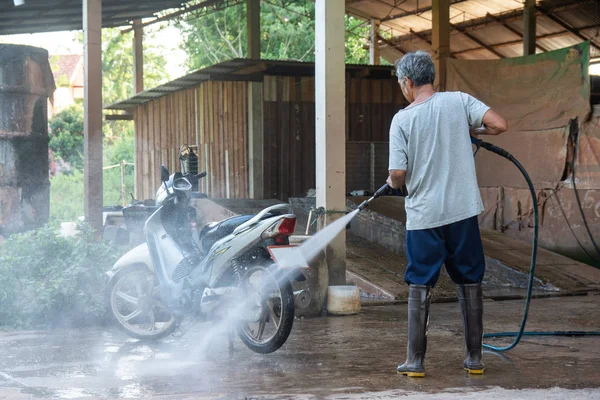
(493, 124)
(389, 182)
(396, 178)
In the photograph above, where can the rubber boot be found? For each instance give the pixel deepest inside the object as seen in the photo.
(471, 304)
(418, 316)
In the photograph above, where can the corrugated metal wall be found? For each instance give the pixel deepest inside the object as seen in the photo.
(289, 127)
(213, 115)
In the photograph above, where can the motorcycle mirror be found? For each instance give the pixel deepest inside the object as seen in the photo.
(164, 173)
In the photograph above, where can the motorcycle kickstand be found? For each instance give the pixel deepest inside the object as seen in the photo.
(181, 330)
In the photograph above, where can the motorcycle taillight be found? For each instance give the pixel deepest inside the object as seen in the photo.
(287, 226)
(284, 227)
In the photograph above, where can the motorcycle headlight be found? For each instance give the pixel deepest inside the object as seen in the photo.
(182, 184)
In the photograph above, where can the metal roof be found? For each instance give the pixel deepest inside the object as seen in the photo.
(496, 24)
(243, 69)
(480, 29)
(63, 15)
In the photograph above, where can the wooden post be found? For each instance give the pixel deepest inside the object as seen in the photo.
(253, 28)
(123, 189)
(92, 112)
(440, 40)
(330, 112)
(529, 34)
(374, 58)
(138, 56)
(255, 108)
(256, 164)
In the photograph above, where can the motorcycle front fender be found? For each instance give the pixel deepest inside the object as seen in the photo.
(139, 255)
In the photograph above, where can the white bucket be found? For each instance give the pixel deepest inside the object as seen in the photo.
(343, 300)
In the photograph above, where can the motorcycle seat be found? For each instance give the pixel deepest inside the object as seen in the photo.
(218, 230)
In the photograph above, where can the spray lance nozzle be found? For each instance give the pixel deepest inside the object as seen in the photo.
(381, 191)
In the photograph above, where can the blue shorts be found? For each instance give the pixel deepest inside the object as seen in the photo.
(457, 245)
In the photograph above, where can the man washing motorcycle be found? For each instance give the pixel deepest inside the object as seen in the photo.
(430, 152)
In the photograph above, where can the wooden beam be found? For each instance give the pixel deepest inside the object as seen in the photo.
(118, 117)
(440, 40)
(330, 122)
(253, 28)
(395, 45)
(138, 57)
(513, 30)
(479, 42)
(92, 112)
(504, 17)
(548, 14)
(529, 23)
(420, 36)
(426, 39)
(415, 12)
(519, 41)
(374, 57)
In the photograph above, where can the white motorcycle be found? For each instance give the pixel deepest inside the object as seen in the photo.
(225, 271)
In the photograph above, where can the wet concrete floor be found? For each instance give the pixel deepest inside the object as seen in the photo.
(336, 357)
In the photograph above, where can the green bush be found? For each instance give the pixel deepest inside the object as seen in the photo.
(111, 185)
(66, 196)
(51, 281)
(67, 192)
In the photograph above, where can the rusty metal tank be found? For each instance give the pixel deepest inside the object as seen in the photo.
(26, 82)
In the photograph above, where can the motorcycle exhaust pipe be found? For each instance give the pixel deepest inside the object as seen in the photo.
(382, 190)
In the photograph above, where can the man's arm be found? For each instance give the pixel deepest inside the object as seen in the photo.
(493, 124)
(396, 178)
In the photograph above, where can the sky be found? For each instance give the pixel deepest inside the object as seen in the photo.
(65, 42)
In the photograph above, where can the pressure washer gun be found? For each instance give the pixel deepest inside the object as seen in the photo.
(382, 190)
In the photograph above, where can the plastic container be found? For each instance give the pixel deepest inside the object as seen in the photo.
(343, 300)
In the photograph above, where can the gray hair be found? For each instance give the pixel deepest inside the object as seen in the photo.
(418, 66)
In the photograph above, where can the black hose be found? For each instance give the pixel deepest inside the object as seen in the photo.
(518, 335)
(575, 128)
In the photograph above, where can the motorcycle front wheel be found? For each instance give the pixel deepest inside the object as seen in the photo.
(275, 316)
(134, 303)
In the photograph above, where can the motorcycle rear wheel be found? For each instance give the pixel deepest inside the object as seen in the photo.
(276, 319)
(135, 305)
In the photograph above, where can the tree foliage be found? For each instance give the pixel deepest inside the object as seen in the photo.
(287, 32)
(66, 135)
(117, 65)
(66, 196)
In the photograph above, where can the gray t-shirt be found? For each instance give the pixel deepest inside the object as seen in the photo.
(430, 140)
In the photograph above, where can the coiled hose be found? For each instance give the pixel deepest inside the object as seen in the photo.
(518, 335)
